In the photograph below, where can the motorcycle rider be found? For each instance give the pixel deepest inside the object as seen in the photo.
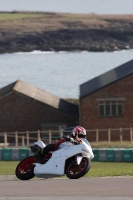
(78, 134)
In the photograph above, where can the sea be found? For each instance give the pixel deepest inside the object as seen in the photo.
(62, 73)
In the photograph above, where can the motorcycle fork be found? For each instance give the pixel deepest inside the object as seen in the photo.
(77, 160)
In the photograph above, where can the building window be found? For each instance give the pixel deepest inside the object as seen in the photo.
(110, 108)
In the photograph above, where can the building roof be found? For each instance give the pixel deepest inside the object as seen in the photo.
(105, 79)
(42, 96)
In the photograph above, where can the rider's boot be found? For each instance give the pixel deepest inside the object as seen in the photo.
(37, 151)
(42, 152)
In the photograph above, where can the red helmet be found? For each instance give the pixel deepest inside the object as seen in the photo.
(79, 131)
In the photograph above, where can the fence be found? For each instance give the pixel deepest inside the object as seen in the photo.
(117, 134)
(26, 138)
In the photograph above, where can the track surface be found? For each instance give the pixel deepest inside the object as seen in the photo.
(109, 188)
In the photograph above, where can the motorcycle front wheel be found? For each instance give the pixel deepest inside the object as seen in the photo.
(25, 169)
(77, 171)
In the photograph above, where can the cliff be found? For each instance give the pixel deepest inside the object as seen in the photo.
(64, 32)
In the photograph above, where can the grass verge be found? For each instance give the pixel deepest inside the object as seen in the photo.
(98, 169)
(8, 167)
(113, 144)
(103, 169)
(12, 16)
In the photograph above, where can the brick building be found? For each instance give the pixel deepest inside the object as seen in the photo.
(24, 107)
(106, 101)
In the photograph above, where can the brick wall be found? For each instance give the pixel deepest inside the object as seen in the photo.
(89, 116)
(20, 113)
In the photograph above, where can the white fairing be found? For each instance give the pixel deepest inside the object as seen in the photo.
(56, 164)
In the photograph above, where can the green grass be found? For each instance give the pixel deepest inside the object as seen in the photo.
(98, 169)
(7, 16)
(113, 144)
(102, 169)
(8, 167)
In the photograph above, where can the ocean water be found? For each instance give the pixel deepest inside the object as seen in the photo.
(62, 73)
(58, 73)
(70, 6)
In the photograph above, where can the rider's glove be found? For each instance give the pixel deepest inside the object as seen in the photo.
(76, 143)
(69, 139)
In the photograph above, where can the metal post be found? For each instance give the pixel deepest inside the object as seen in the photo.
(27, 138)
(121, 135)
(61, 133)
(38, 135)
(131, 134)
(16, 138)
(5, 139)
(109, 135)
(50, 133)
(23, 144)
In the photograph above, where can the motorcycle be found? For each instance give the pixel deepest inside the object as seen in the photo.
(71, 160)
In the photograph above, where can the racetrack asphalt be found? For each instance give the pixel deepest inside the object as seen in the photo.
(103, 188)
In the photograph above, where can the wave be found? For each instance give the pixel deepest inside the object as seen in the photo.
(38, 52)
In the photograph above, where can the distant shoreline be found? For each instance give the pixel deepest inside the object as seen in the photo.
(29, 31)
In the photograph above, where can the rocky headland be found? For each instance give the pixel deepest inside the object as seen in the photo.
(25, 32)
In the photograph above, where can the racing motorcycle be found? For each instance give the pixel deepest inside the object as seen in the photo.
(71, 160)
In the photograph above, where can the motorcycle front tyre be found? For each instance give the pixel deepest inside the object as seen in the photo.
(25, 169)
(82, 169)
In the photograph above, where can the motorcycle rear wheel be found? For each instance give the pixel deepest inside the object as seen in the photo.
(77, 171)
(25, 169)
